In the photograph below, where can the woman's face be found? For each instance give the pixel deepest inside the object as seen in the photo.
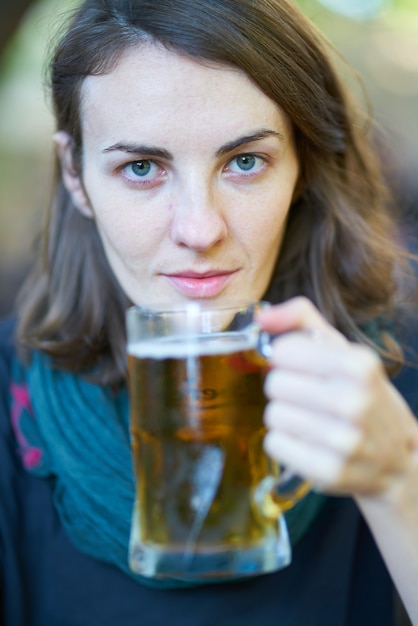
(188, 172)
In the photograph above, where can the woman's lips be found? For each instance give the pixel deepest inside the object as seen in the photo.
(195, 285)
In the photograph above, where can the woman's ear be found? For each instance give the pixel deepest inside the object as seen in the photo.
(70, 174)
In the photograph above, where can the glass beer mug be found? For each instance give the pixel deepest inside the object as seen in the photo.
(209, 502)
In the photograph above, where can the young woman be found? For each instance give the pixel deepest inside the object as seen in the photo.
(208, 150)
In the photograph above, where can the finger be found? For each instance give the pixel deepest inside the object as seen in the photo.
(321, 429)
(300, 352)
(324, 468)
(301, 457)
(339, 398)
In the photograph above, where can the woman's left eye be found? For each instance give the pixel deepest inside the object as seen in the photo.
(245, 163)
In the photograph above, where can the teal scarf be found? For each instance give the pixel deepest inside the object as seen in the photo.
(77, 433)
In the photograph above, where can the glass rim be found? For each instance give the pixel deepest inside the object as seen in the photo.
(165, 307)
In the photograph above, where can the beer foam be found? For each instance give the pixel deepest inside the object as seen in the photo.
(197, 345)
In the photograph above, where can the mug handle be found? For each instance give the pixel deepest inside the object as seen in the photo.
(274, 496)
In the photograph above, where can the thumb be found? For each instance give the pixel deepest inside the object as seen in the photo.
(296, 314)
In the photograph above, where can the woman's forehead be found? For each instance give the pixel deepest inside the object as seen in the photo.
(153, 87)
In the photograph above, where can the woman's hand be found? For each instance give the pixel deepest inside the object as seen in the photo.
(333, 416)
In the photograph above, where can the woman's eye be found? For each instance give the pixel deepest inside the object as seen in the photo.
(141, 169)
(245, 163)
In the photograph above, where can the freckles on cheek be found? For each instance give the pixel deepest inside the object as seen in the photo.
(269, 241)
(120, 237)
(157, 231)
(267, 231)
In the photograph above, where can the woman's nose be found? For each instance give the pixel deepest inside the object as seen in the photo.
(198, 219)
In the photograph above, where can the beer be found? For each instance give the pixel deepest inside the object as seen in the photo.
(197, 430)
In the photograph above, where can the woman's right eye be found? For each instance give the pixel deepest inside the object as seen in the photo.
(143, 172)
(144, 168)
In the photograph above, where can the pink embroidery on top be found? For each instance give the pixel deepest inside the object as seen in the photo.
(31, 455)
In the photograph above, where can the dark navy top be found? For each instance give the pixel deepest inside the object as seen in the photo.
(336, 578)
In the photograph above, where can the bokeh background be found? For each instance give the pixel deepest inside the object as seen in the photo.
(378, 37)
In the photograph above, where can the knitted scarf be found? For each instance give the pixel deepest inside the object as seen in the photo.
(77, 434)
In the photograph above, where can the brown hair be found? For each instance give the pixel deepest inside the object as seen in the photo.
(340, 248)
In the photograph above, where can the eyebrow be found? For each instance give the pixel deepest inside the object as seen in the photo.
(133, 148)
(246, 139)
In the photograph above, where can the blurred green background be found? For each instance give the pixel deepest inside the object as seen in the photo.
(378, 37)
